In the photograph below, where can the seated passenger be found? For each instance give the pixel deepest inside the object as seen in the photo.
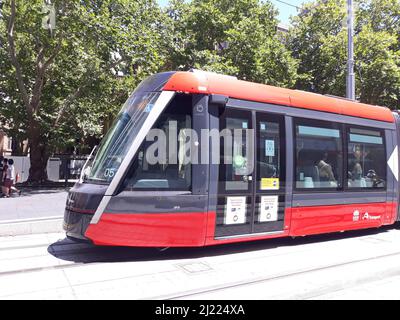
(326, 172)
(307, 170)
(355, 169)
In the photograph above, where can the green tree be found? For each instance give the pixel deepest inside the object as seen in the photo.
(318, 39)
(59, 83)
(378, 26)
(378, 64)
(236, 37)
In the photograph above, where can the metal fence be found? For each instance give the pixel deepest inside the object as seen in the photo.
(70, 167)
(60, 168)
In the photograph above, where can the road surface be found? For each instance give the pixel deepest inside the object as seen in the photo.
(353, 265)
(33, 204)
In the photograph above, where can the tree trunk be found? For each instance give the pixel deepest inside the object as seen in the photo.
(38, 154)
(16, 146)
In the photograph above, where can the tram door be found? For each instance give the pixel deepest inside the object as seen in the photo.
(251, 178)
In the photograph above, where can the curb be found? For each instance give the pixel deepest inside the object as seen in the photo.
(31, 226)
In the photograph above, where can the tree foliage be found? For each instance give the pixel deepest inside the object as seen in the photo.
(236, 37)
(318, 39)
(56, 84)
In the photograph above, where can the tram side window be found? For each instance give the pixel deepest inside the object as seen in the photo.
(236, 166)
(161, 162)
(318, 155)
(365, 156)
(269, 156)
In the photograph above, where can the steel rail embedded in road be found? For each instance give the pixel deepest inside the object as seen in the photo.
(192, 294)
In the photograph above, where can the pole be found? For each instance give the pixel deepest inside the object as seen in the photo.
(350, 80)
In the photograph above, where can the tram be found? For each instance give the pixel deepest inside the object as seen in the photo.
(197, 159)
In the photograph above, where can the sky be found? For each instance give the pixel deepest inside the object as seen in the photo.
(285, 10)
(284, 7)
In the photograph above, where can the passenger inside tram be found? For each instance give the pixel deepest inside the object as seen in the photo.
(325, 171)
(314, 170)
(355, 160)
(363, 170)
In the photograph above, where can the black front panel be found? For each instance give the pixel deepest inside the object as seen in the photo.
(85, 197)
(82, 202)
(76, 224)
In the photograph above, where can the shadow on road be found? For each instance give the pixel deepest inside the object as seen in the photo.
(83, 252)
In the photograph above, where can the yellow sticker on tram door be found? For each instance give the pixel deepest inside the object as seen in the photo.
(269, 184)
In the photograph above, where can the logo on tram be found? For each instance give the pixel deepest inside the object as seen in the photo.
(356, 215)
(365, 216)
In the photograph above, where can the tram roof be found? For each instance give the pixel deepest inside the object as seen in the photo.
(213, 83)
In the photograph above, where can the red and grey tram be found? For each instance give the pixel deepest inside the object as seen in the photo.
(197, 159)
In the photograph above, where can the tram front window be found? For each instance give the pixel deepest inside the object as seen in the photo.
(163, 161)
(116, 143)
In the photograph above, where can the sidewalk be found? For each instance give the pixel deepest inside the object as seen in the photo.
(36, 210)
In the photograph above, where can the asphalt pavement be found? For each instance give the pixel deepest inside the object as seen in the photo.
(361, 264)
(35, 211)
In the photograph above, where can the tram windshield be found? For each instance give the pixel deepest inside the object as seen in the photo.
(115, 145)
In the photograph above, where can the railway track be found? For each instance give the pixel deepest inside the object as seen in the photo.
(194, 293)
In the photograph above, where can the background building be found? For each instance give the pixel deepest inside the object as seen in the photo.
(5, 144)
